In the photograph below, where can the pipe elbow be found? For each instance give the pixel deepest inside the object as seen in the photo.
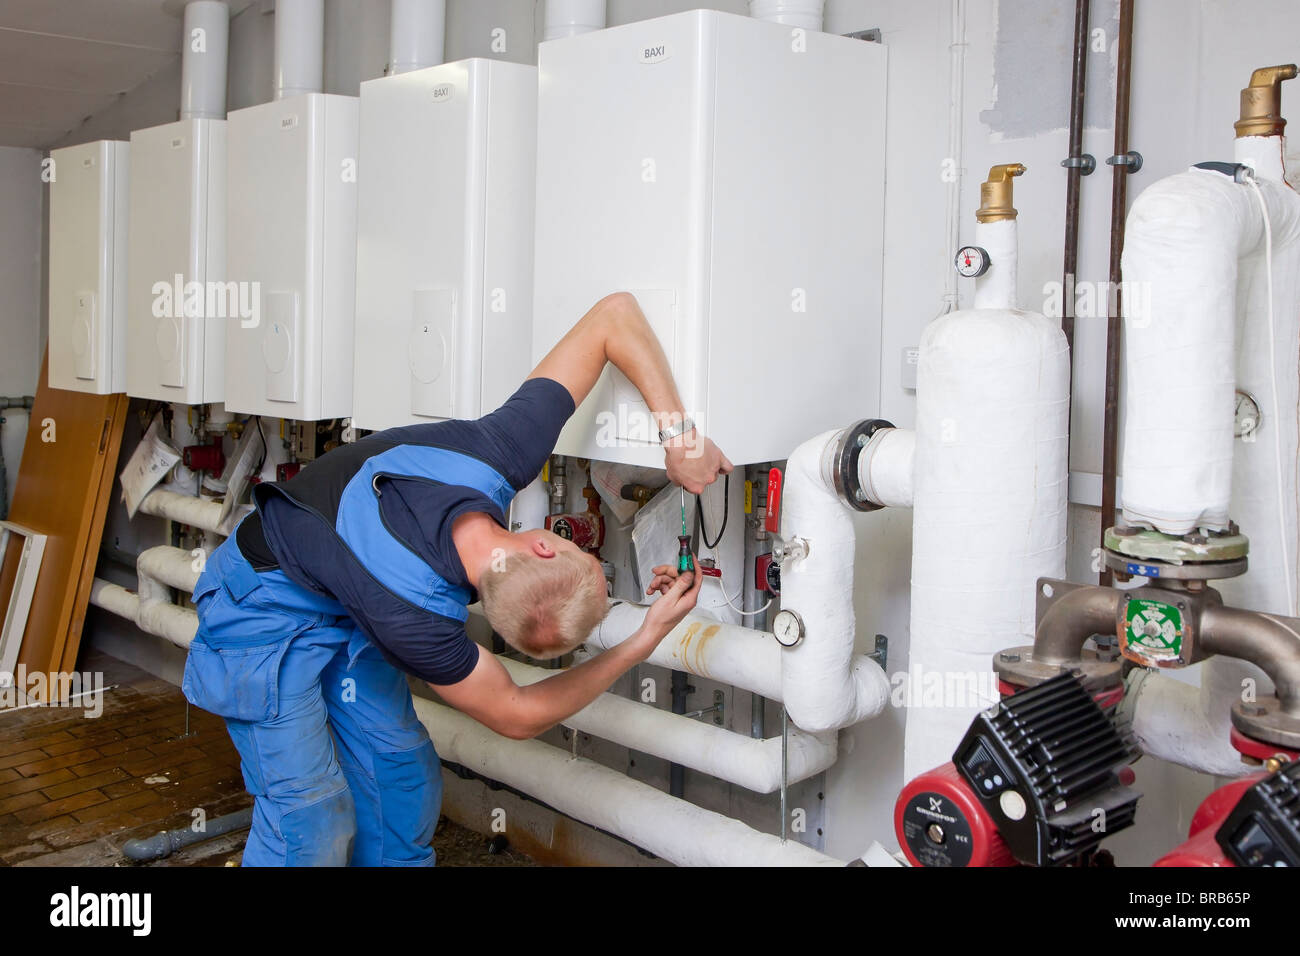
(1074, 618)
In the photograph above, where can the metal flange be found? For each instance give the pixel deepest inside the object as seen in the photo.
(1189, 557)
(1017, 666)
(843, 464)
(1264, 720)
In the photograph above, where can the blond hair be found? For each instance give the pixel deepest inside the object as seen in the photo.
(545, 607)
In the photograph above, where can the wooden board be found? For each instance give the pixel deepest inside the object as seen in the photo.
(63, 491)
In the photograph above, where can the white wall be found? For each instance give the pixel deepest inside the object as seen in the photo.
(22, 238)
(1191, 59)
(22, 288)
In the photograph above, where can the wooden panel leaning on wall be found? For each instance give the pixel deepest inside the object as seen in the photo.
(64, 484)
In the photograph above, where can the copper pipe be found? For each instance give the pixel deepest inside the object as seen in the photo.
(1074, 177)
(1118, 212)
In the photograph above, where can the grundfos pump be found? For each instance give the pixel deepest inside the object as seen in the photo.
(1254, 821)
(1041, 778)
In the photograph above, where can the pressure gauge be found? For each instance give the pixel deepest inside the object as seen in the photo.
(971, 261)
(1247, 417)
(787, 628)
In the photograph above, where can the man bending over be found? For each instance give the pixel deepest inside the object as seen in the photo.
(360, 569)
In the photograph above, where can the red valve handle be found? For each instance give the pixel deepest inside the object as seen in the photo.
(772, 517)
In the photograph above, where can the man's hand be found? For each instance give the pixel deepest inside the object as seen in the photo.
(693, 462)
(678, 593)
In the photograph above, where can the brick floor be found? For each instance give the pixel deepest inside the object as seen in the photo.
(73, 789)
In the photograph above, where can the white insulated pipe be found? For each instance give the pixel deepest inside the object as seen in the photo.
(172, 567)
(1183, 723)
(667, 826)
(199, 513)
(807, 14)
(989, 504)
(996, 288)
(150, 607)
(1192, 264)
(1264, 154)
(885, 467)
(1197, 291)
(726, 653)
(176, 624)
(299, 47)
(735, 758)
(569, 18)
(417, 35)
(203, 59)
(825, 685)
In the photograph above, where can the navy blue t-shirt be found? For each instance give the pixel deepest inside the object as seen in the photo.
(515, 440)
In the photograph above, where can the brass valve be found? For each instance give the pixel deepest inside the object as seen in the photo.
(995, 193)
(1261, 102)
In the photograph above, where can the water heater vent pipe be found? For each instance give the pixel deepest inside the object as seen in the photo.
(204, 43)
(569, 18)
(417, 36)
(299, 47)
(807, 14)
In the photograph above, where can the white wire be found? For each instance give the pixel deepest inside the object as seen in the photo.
(731, 600)
(1288, 575)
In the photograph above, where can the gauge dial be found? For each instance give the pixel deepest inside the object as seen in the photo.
(787, 627)
(1247, 416)
(971, 261)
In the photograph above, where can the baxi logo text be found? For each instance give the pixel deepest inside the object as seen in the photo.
(77, 909)
(179, 299)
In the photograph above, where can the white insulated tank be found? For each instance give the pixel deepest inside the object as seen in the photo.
(990, 486)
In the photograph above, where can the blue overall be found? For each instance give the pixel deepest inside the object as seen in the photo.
(341, 769)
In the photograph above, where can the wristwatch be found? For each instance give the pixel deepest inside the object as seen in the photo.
(672, 431)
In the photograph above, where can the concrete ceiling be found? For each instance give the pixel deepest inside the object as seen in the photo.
(61, 61)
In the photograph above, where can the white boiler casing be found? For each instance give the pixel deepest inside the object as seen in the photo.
(178, 243)
(87, 284)
(704, 162)
(444, 241)
(291, 230)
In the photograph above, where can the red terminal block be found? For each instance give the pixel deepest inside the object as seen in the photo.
(772, 516)
(286, 470)
(209, 458)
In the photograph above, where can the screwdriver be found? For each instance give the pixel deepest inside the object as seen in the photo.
(684, 542)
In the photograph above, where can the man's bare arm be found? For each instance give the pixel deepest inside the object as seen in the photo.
(615, 330)
(494, 700)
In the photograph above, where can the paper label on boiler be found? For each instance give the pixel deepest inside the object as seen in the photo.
(149, 463)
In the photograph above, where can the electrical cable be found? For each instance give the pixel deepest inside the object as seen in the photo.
(713, 545)
(1288, 575)
(731, 601)
(265, 448)
(726, 502)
